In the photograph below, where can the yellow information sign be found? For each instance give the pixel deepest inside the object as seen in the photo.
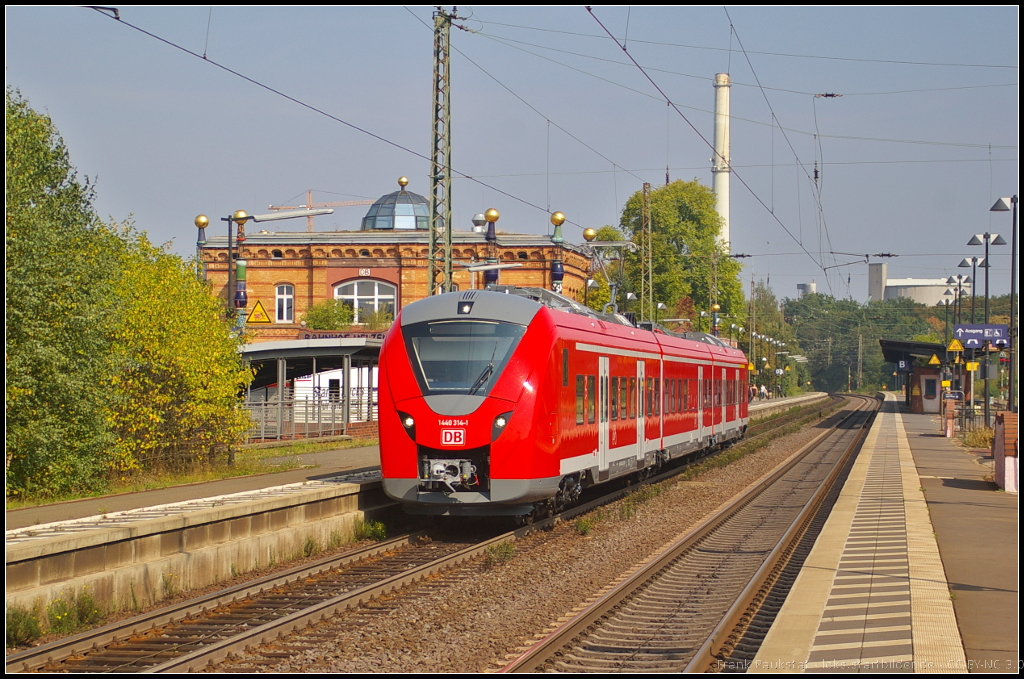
(934, 360)
(258, 315)
(972, 365)
(947, 383)
(955, 345)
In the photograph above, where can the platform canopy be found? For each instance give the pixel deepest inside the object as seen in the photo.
(895, 351)
(300, 356)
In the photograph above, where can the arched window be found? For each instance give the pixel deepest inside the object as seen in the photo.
(366, 296)
(285, 304)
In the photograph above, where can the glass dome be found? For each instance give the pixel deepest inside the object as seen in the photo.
(401, 210)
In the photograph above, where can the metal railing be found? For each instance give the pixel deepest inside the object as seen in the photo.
(310, 417)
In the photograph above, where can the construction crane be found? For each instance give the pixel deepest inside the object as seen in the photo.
(310, 205)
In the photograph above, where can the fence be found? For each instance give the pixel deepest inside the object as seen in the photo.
(310, 417)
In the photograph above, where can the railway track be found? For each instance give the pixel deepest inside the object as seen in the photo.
(680, 610)
(192, 635)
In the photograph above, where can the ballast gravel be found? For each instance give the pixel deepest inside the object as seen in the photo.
(471, 619)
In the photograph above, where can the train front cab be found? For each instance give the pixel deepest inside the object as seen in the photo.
(472, 449)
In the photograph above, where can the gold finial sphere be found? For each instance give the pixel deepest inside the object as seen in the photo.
(557, 218)
(715, 307)
(492, 215)
(240, 217)
(202, 221)
(589, 234)
(403, 181)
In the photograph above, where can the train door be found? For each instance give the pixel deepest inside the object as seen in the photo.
(723, 390)
(641, 431)
(602, 413)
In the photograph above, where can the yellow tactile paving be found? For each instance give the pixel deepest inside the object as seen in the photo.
(872, 594)
(937, 643)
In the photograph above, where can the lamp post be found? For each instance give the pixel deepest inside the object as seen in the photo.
(1003, 205)
(714, 317)
(986, 239)
(657, 313)
(945, 303)
(973, 263)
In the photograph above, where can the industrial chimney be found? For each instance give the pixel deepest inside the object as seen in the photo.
(720, 163)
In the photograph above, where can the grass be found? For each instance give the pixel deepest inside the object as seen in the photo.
(499, 553)
(978, 438)
(248, 461)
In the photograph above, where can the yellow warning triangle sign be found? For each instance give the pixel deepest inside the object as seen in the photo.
(934, 360)
(258, 314)
(955, 345)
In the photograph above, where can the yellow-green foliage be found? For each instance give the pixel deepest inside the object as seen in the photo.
(176, 367)
(117, 357)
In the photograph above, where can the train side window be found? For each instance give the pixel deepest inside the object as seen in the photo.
(580, 398)
(649, 397)
(615, 398)
(686, 395)
(591, 398)
(633, 398)
(623, 400)
(565, 367)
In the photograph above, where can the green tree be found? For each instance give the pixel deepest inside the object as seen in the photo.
(175, 362)
(59, 302)
(687, 259)
(117, 358)
(330, 314)
(841, 336)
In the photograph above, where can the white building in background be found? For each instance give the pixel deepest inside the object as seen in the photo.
(807, 288)
(927, 291)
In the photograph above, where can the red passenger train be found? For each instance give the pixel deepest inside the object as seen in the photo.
(509, 401)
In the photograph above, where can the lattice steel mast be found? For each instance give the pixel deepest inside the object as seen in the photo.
(440, 256)
(646, 258)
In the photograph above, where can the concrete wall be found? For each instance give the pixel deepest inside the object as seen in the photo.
(137, 563)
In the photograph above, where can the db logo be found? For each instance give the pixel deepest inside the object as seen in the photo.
(453, 437)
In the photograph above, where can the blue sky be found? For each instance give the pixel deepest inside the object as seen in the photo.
(548, 109)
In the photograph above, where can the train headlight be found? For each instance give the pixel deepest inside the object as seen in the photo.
(499, 424)
(408, 423)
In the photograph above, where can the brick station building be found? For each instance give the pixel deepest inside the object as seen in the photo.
(382, 266)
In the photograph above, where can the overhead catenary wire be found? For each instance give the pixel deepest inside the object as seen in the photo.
(505, 41)
(116, 17)
(711, 146)
(773, 54)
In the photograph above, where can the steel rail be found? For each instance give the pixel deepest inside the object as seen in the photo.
(114, 633)
(536, 656)
(34, 658)
(761, 582)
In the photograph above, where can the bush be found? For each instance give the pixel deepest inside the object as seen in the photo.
(330, 314)
(66, 616)
(22, 626)
(369, 530)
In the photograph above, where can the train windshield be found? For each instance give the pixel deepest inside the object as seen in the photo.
(460, 357)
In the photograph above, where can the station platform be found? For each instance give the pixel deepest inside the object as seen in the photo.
(916, 568)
